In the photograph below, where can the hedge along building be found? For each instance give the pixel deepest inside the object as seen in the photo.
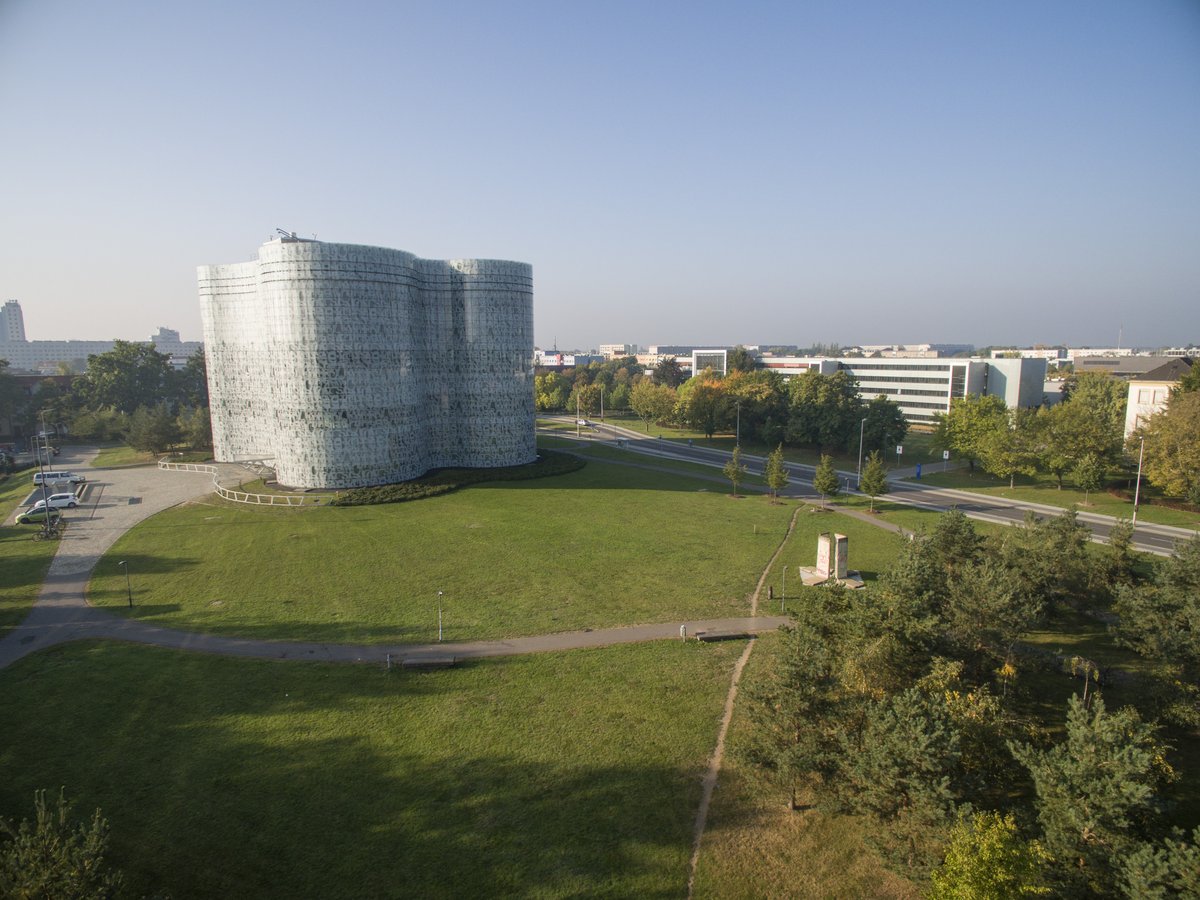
(349, 365)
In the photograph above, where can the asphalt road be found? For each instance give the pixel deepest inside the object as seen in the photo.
(1148, 538)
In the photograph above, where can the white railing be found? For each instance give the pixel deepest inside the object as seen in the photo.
(234, 496)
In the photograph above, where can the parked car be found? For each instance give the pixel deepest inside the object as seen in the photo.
(38, 517)
(58, 501)
(52, 476)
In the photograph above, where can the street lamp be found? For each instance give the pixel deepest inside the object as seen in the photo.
(439, 617)
(783, 599)
(43, 457)
(861, 428)
(737, 441)
(128, 588)
(1138, 485)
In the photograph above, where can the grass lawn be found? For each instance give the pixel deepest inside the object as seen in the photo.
(1044, 489)
(607, 451)
(870, 550)
(755, 847)
(572, 774)
(910, 517)
(122, 455)
(23, 561)
(607, 545)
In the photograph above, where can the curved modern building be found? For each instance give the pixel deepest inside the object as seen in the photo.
(349, 365)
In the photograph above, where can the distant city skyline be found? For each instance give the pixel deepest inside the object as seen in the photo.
(987, 173)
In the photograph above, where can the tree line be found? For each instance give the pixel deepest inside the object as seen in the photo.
(917, 706)
(812, 410)
(1082, 437)
(130, 393)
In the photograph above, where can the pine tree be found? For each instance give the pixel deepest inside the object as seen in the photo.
(51, 857)
(794, 737)
(777, 474)
(874, 478)
(825, 480)
(1095, 791)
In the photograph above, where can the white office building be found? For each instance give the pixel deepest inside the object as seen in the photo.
(922, 388)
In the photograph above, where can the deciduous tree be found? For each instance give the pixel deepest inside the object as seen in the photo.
(825, 480)
(1172, 460)
(885, 426)
(734, 470)
(970, 426)
(128, 376)
(652, 402)
(874, 478)
(987, 859)
(1088, 474)
(776, 472)
(152, 428)
(702, 403)
(824, 410)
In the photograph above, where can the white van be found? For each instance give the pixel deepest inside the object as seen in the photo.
(54, 477)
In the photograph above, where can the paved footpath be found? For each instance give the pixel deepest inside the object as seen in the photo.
(120, 498)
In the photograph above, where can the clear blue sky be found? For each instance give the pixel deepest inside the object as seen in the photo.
(694, 172)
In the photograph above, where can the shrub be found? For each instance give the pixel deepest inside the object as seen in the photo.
(442, 481)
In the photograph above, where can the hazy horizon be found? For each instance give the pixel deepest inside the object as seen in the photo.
(994, 173)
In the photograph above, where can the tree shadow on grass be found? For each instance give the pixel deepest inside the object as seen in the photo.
(265, 780)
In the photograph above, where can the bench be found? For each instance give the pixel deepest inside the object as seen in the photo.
(428, 662)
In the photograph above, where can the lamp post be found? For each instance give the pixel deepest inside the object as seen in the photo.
(128, 587)
(1137, 489)
(43, 454)
(783, 599)
(602, 401)
(737, 440)
(861, 428)
(439, 617)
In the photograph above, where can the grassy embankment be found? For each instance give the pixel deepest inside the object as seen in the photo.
(568, 774)
(607, 545)
(23, 561)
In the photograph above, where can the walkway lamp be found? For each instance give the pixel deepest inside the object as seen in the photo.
(861, 429)
(783, 599)
(1137, 489)
(439, 617)
(128, 587)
